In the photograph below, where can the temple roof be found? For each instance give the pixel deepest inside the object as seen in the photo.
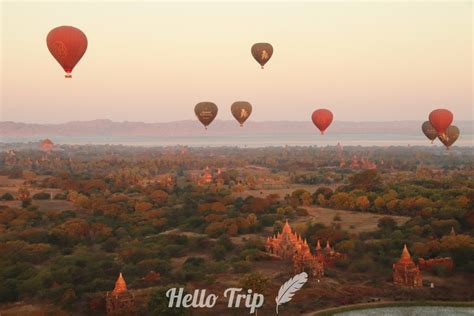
(47, 141)
(328, 246)
(286, 228)
(120, 285)
(405, 254)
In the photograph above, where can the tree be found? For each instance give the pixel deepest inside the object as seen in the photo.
(322, 200)
(42, 196)
(362, 202)
(7, 197)
(143, 206)
(158, 303)
(379, 203)
(325, 191)
(387, 223)
(218, 253)
(8, 291)
(252, 219)
(159, 196)
(256, 282)
(367, 180)
(302, 197)
(342, 200)
(24, 197)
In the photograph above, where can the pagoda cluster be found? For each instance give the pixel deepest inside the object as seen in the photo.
(288, 245)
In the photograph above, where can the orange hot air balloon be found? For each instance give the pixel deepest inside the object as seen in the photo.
(67, 44)
(262, 52)
(322, 118)
(441, 119)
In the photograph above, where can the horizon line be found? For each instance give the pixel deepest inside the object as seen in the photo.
(216, 120)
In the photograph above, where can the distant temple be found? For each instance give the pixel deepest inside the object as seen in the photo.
(46, 145)
(354, 163)
(362, 163)
(328, 254)
(151, 277)
(120, 300)
(288, 245)
(429, 264)
(206, 177)
(166, 180)
(406, 272)
(445, 263)
(342, 163)
(452, 233)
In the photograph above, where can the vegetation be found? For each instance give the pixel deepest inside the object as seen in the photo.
(71, 220)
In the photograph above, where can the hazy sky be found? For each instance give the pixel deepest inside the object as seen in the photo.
(153, 61)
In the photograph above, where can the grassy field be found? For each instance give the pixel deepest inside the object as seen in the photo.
(354, 222)
(8, 185)
(281, 190)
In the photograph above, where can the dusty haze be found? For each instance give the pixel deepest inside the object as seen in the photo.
(153, 61)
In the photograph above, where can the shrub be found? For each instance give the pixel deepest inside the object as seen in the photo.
(7, 197)
(42, 196)
(242, 267)
(218, 253)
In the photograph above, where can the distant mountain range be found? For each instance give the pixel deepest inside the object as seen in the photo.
(219, 127)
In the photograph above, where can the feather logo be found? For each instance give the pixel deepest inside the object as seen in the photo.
(287, 290)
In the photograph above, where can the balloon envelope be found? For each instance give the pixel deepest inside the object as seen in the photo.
(429, 130)
(441, 119)
(322, 118)
(241, 110)
(67, 44)
(450, 136)
(262, 52)
(206, 112)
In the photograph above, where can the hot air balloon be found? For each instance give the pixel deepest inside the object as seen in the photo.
(241, 110)
(429, 131)
(67, 44)
(441, 119)
(262, 52)
(322, 118)
(206, 112)
(450, 136)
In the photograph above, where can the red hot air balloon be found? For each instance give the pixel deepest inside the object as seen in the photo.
(322, 118)
(67, 44)
(441, 119)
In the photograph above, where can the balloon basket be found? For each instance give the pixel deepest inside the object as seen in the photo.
(68, 76)
(261, 67)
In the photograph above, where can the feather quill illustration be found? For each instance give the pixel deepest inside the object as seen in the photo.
(287, 290)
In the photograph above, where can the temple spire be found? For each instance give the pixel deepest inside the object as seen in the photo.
(287, 228)
(405, 253)
(120, 285)
(318, 245)
(453, 233)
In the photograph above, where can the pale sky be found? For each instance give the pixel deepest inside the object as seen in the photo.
(153, 61)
